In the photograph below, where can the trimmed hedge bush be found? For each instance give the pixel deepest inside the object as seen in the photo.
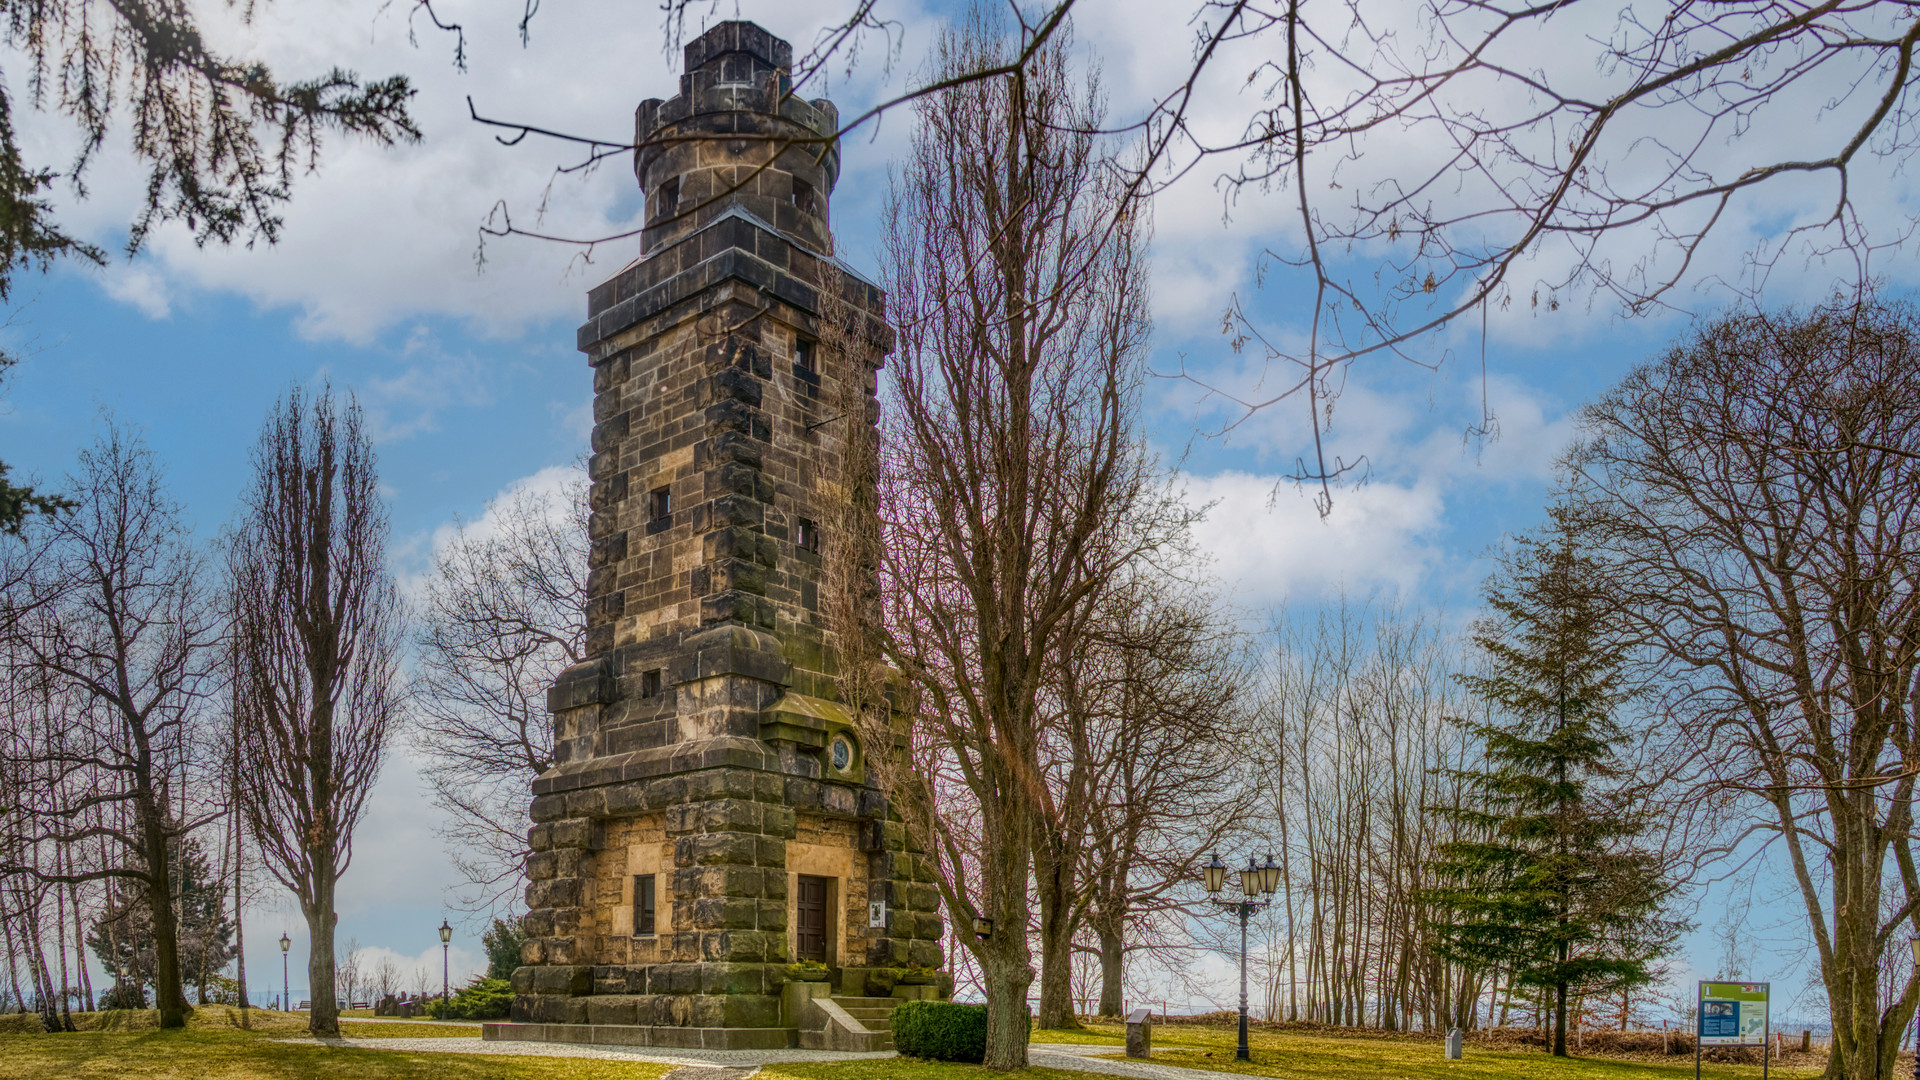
(941, 1031)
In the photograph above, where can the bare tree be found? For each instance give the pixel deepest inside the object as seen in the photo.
(317, 627)
(1355, 742)
(112, 625)
(1436, 166)
(349, 971)
(501, 619)
(1155, 729)
(1008, 473)
(1755, 495)
(385, 979)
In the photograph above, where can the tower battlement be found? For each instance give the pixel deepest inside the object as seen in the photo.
(736, 138)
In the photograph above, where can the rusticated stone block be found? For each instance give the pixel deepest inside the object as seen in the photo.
(572, 980)
(554, 893)
(547, 1009)
(745, 946)
(726, 913)
(611, 1010)
(573, 834)
(716, 848)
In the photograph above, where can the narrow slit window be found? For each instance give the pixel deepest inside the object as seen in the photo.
(659, 504)
(806, 355)
(645, 903)
(806, 536)
(802, 195)
(669, 198)
(650, 683)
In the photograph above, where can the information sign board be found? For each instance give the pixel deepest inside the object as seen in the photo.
(1733, 1014)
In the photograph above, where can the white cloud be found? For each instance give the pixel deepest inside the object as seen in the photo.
(550, 489)
(139, 285)
(422, 971)
(1268, 543)
(380, 236)
(398, 858)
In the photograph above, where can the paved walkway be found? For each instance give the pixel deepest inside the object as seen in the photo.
(686, 1058)
(731, 1064)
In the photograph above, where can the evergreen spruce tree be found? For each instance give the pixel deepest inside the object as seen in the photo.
(123, 935)
(1552, 886)
(503, 943)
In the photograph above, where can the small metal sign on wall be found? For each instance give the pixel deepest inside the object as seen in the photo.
(877, 914)
(1732, 1014)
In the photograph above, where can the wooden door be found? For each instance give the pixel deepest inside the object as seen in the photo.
(810, 926)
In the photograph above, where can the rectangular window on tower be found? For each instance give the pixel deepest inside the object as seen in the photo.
(644, 904)
(669, 199)
(660, 504)
(802, 196)
(650, 683)
(806, 536)
(806, 356)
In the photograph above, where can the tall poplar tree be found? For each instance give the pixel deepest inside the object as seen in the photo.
(316, 633)
(1554, 889)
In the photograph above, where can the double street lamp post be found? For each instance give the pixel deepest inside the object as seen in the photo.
(1256, 881)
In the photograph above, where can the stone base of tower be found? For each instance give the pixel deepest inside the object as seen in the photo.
(725, 846)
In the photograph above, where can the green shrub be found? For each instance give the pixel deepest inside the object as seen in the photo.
(941, 1031)
(481, 999)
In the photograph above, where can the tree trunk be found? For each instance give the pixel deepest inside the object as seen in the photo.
(1112, 972)
(324, 1018)
(1007, 977)
(1054, 877)
(1560, 1020)
(168, 995)
(239, 914)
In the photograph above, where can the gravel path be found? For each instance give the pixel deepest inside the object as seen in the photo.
(738, 1064)
(709, 1059)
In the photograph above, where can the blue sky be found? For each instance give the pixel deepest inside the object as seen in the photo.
(473, 384)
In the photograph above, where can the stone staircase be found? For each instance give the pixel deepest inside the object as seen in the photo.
(852, 1023)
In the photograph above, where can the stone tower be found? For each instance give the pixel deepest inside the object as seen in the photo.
(711, 866)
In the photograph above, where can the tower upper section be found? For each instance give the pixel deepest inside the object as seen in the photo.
(736, 138)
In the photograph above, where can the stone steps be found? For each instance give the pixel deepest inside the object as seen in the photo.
(874, 1014)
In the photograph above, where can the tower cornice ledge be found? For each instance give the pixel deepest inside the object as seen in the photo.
(735, 246)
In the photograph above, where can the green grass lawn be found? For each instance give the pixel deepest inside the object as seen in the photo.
(215, 1047)
(1299, 1056)
(211, 1054)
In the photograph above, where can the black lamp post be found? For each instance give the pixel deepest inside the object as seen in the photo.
(1255, 881)
(286, 984)
(446, 935)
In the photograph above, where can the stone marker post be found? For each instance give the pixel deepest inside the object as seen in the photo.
(1140, 1033)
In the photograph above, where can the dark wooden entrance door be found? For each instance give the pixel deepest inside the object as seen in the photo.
(810, 928)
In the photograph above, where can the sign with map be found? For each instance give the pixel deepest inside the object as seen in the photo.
(1733, 1014)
